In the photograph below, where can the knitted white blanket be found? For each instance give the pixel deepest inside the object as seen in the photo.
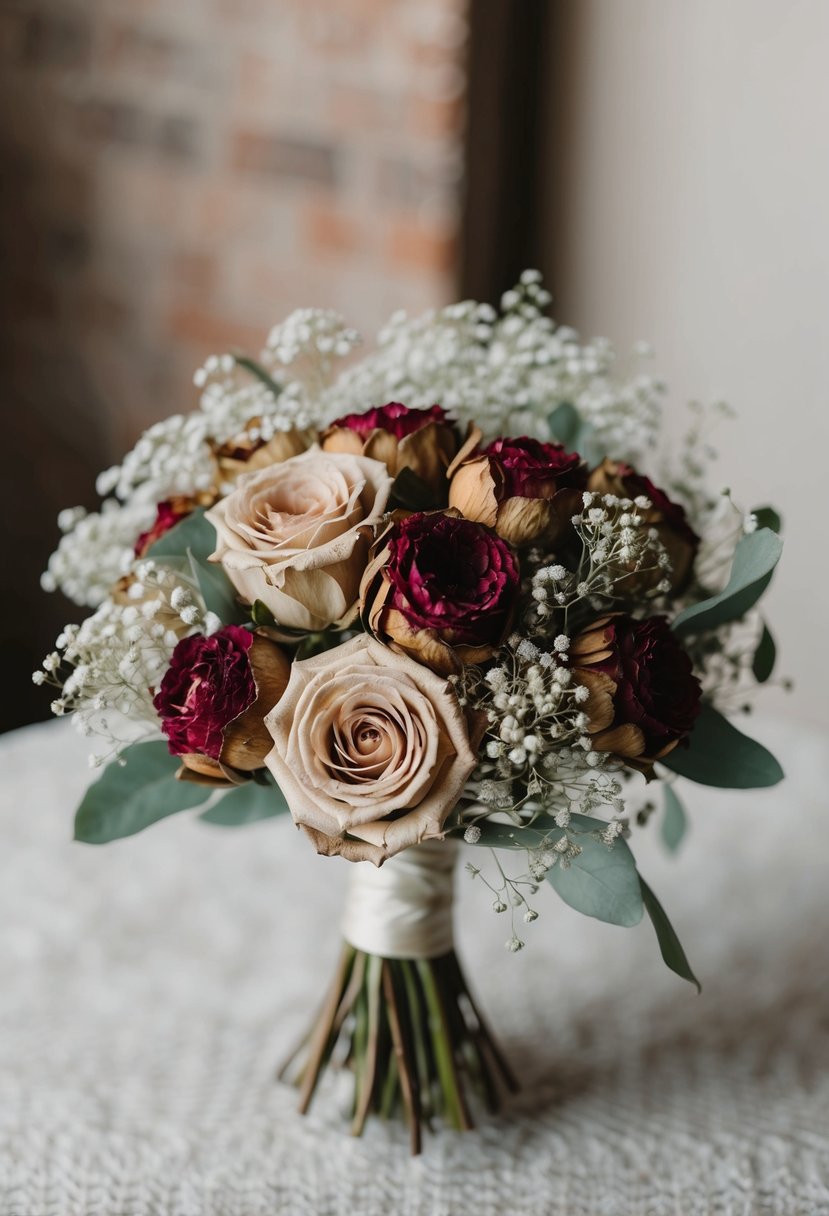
(149, 989)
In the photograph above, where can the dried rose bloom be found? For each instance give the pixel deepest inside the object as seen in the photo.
(644, 697)
(526, 490)
(371, 750)
(214, 697)
(296, 535)
(441, 589)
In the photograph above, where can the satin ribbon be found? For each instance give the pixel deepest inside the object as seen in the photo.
(403, 909)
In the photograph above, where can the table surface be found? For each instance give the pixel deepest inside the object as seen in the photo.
(149, 989)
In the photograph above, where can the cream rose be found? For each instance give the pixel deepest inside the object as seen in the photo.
(371, 750)
(296, 535)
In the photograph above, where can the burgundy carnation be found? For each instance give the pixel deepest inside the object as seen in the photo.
(644, 695)
(441, 588)
(168, 514)
(533, 469)
(209, 683)
(399, 420)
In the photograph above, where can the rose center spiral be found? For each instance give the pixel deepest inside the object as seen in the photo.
(363, 745)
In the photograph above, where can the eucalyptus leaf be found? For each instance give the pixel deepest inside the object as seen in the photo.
(565, 423)
(768, 517)
(601, 881)
(571, 430)
(765, 656)
(755, 557)
(194, 534)
(129, 797)
(246, 803)
(718, 754)
(674, 820)
(218, 592)
(669, 944)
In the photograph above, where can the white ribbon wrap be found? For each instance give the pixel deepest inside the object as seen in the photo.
(403, 909)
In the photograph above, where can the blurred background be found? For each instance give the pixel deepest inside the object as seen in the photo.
(175, 178)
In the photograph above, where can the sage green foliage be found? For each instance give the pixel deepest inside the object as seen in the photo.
(720, 755)
(129, 797)
(755, 558)
(188, 545)
(768, 517)
(674, 819)
(565, 424)
(765, 656)
(669, 945)
(246, 803)
(570, 429)
(601, 881)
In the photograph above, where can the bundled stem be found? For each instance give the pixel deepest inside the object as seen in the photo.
(413, 1037)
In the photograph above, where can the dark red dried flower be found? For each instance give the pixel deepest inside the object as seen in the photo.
(644, 696)
(209, 683)
(441, 588)
(399, 420)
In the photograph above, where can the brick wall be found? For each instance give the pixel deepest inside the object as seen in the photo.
(176, 177)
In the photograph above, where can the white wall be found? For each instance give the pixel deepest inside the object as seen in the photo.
(689, 205)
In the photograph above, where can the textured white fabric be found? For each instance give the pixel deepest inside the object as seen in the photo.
(403, 909)
(149, 989)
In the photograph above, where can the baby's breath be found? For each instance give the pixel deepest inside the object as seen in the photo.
(107, 669)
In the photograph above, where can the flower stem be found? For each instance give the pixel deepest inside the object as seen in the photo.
(412, 1035)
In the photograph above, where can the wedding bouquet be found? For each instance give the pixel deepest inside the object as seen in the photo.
(425, 597)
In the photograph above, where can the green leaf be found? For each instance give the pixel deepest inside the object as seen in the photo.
(718, 754)
(218, 592)
(765, 656)
(246, 803)
(767, 517)
(194, 534)
(755, 557)
(189, 544)
(669, 944)
(129, 797)
(571, 430)
(601, 881)
(261, 614)
(674, 820)
(565, 424)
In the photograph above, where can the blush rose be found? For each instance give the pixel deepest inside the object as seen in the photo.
(371, 750)
(296, 535)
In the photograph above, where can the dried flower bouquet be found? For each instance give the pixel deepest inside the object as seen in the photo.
(427, 596)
